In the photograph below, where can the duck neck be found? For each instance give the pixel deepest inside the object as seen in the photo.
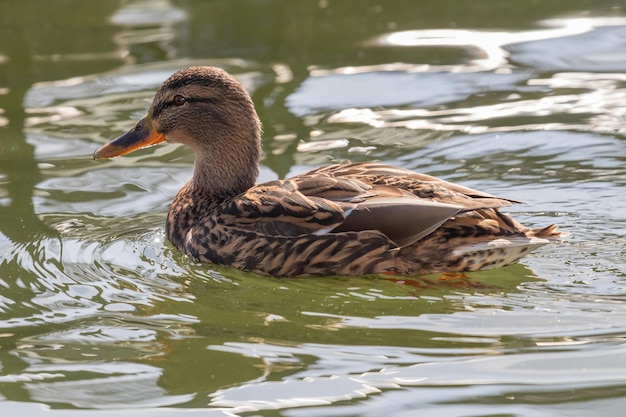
(226, 172)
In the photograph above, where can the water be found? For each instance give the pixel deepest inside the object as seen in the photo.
(99, 315)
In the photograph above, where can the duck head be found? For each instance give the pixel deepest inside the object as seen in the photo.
(208, 110)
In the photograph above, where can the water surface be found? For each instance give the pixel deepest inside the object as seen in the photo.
(100, 315)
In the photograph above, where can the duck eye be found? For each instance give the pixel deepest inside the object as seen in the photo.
(179, 100)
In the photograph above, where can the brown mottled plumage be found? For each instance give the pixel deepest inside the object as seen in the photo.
(352, 219)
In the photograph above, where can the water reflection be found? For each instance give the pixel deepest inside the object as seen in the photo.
(27, 243)
(98, 311)
(516, 372)
(492, 47)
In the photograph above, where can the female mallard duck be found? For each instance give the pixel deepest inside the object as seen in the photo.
(352, 219)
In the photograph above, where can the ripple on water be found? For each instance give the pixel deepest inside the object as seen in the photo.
(598, 50)
(101, 312)
(71, 279)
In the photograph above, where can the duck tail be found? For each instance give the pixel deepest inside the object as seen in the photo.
(551, 233)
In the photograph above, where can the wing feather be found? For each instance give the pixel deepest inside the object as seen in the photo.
(421, 185)
(341, 199)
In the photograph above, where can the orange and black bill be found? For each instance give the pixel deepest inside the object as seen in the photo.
(140, 136)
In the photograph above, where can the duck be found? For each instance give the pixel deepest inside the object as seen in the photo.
(352, 219)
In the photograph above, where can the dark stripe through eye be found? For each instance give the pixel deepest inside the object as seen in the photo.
(180, 100)
(200, 100)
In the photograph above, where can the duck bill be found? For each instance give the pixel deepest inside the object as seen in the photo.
(140, 136)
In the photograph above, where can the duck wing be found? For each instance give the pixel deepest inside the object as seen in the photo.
(421, 185)
(320, 204)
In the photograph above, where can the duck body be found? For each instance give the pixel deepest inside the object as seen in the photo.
(304, 225)
(345, 219)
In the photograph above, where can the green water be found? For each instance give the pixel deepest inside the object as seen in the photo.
(99, 315)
